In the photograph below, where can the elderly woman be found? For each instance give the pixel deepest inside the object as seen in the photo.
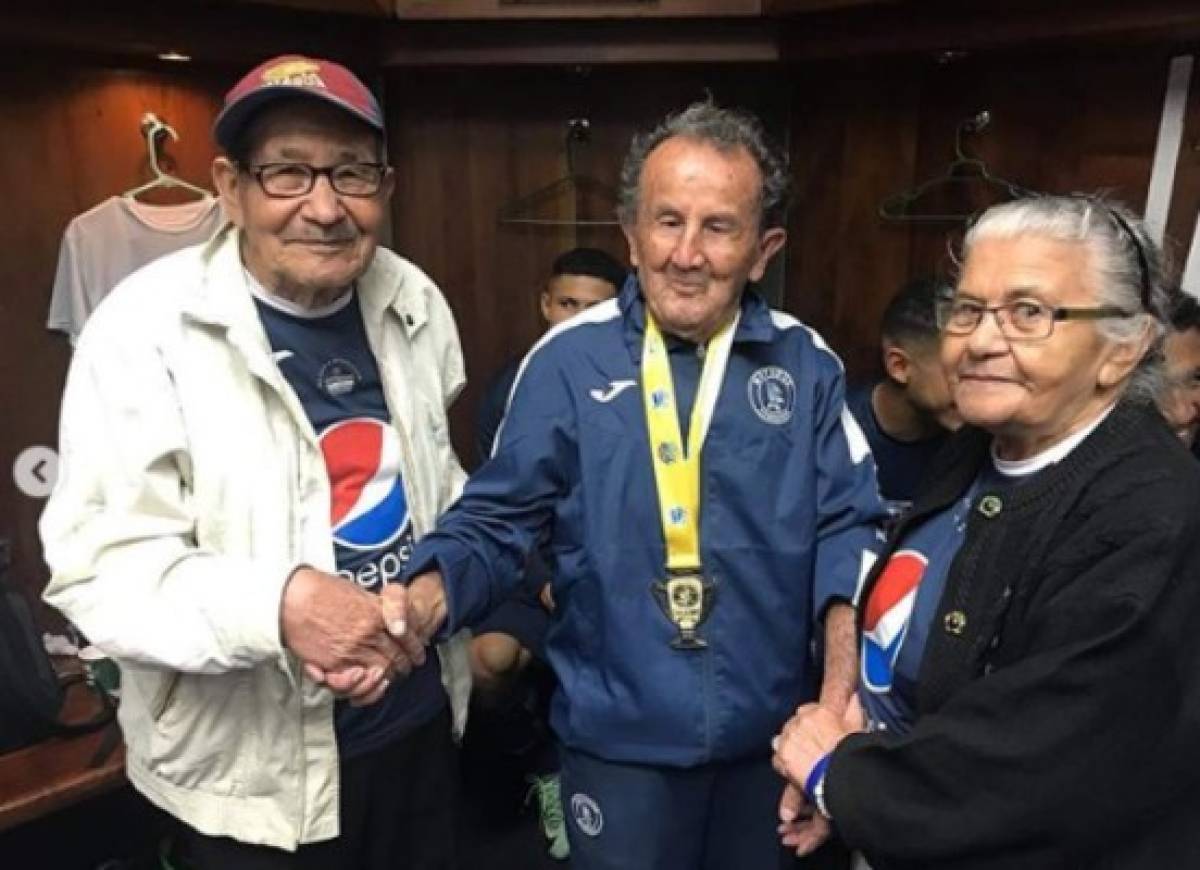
(1030, 636)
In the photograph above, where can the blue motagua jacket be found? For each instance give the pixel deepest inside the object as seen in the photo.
(789, 512)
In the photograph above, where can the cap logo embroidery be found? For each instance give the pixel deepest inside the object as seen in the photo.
(298, 73)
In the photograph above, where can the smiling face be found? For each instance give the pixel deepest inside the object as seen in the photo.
(696, 239)
(1032, 394)
(306, 248)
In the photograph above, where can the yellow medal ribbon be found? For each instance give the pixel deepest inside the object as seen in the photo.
(676, 471)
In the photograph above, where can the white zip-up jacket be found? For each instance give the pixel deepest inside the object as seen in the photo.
(190, 486)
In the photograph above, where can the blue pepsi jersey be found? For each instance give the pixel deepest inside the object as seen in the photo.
(788, 521)
(899, 611)
(897, 616)
(327, 360)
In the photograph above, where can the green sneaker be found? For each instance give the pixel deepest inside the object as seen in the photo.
(550, 811)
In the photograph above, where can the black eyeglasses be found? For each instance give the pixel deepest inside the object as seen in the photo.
(1020, 320)
(283, 180)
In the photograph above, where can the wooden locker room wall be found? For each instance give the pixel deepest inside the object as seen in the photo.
(863, 131)
(71, 139)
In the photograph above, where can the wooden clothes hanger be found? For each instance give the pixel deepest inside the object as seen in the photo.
(524, 209)
(964, 172)
(152, 129)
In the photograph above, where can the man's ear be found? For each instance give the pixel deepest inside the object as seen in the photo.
(389, 185)
(627, 231)
(228, 182)
(897, 363)
(544, 302)
(768, 245)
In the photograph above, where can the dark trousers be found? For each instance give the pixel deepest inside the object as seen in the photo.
(397, 811)
(719, 816)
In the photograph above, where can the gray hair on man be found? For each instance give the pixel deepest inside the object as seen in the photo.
(724, 129)
(1127, 266)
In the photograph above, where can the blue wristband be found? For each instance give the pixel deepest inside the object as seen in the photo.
(815, 776)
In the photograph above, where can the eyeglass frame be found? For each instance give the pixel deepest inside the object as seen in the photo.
(256, 170)
(1058, 313)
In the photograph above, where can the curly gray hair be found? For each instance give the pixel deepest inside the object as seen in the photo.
(726, 130)
(1127, 266)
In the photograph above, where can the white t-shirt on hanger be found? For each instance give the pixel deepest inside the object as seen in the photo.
(116, 238)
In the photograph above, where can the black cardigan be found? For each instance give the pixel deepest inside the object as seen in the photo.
(1059, 694)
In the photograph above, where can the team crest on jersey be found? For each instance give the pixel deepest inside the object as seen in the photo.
(368, 507)
(887, 617)
(772, 395)
(338, 377)
(587, 815)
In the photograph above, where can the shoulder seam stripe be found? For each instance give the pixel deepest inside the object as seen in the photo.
(602, 313)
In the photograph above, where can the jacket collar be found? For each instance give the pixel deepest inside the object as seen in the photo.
(755, 326)
(222, 298)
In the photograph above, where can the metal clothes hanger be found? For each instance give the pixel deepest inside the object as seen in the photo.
(524, 209)
(963, 172)
(152, 129)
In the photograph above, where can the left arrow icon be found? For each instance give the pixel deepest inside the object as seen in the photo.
(35, 471)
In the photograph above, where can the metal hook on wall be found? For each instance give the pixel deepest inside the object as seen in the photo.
(579, 130)
(152, 128)
(977, 123)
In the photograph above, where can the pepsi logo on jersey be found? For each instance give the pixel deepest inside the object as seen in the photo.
(369, 514)
(887, 617)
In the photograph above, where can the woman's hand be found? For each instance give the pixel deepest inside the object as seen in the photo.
(808, 736)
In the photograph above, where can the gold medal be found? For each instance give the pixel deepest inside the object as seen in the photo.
(686, 600)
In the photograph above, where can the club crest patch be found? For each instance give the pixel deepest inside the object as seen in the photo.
(338, 377)
(772, 394)
(587, 815)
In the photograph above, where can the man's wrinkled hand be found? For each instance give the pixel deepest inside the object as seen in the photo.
(337, 631)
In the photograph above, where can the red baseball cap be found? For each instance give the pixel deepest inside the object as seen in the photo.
(294, 75)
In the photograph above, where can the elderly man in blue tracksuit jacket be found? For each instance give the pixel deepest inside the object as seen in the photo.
(708, 502)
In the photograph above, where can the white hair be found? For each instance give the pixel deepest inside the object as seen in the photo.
(1126, 266)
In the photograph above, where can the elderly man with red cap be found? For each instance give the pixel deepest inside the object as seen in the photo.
(253, 435)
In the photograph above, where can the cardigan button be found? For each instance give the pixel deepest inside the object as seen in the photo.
(990, 505)
(955, 622)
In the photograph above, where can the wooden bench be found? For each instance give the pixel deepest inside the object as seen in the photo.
(55, 773)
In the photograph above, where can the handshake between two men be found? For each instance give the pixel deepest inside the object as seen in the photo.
(353, 641)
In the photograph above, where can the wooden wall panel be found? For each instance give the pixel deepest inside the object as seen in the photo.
(466, 142)
(865, 132)
(853, 135)
(71, 138)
